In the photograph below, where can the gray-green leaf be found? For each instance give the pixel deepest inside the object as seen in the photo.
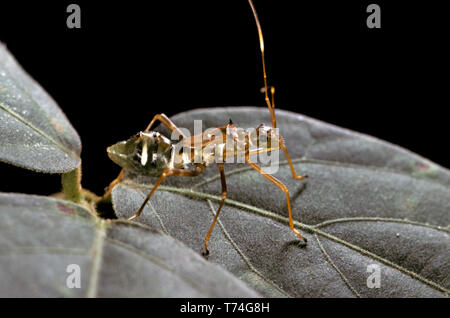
(41, 237)
(35, 133)
(367, 204)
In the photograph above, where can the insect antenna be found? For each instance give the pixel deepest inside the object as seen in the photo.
(265, 89)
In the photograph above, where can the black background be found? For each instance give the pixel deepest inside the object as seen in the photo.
(131, 60)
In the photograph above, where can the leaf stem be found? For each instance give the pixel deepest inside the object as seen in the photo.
(71, 185)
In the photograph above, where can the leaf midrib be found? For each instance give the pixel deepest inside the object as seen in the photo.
(32, 98)
(36, 129)
(313, 229)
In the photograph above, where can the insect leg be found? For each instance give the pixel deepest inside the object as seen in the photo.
(113, 183)
(167, 122)
(224, 196)
(273, 146)
(165, 174)
(280, 185)
(294, 174)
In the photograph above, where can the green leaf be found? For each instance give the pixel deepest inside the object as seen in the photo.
(40, 237)
(35, 134)
(366, 202)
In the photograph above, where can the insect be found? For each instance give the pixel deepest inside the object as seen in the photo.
(152, 154)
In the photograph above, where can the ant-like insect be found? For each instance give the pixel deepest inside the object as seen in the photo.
(152, 154)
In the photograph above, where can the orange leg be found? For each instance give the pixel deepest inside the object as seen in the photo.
(167, 122)
(281, 145)
(224, 196)
(280, 185)
(113, 184)
(165, 174)
(294, 174)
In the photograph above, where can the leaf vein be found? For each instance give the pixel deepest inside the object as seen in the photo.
(305, 227)
(330, 261)
(39, 131)
(241, 253)
(97, 255)
(155, 260)
(31, 98)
